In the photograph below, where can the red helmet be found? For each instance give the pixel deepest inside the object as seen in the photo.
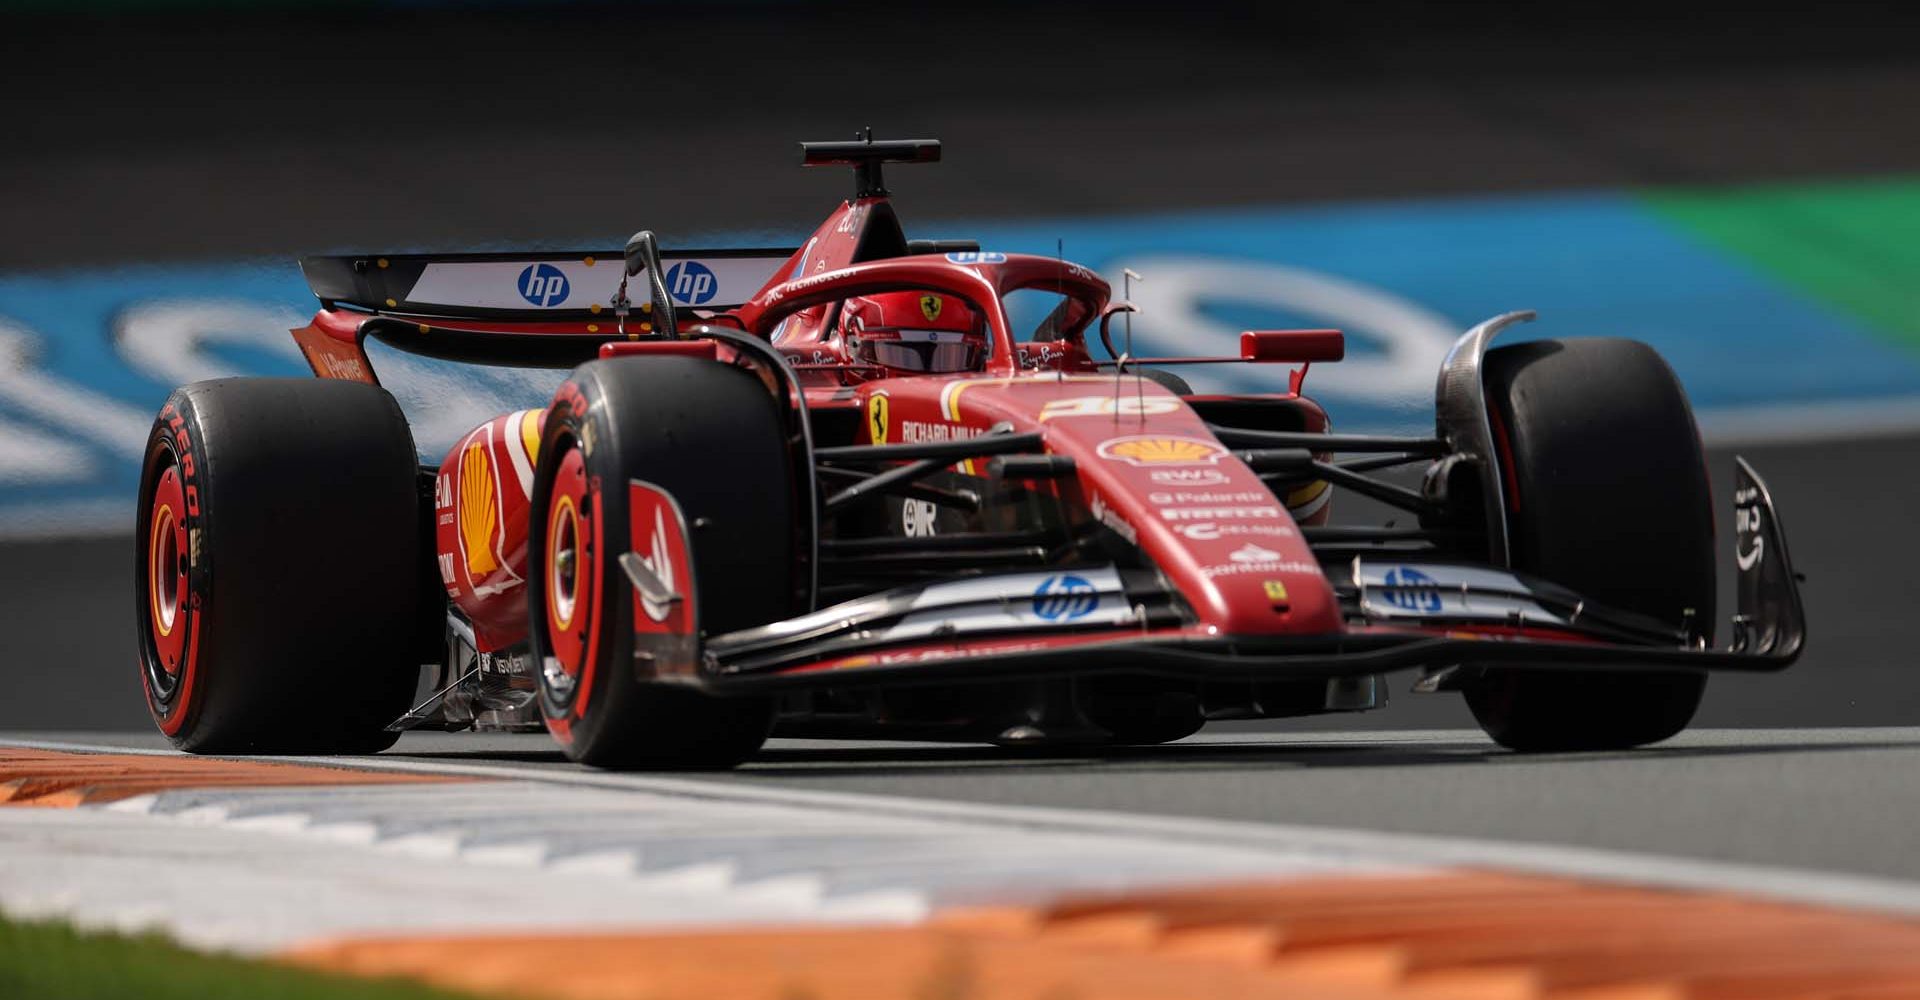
(915, 332)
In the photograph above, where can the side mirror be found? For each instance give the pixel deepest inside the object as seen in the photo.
(1293, 345)
(643, 253)
(640, 249)
(1106, 318)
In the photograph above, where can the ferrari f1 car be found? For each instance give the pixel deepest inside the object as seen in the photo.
(835, 490)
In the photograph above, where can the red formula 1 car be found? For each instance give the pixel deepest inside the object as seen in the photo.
(847, 490)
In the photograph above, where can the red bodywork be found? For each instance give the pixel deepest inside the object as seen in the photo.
(481, 499)
(1147, 465)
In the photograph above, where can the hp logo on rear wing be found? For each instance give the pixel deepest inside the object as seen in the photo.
(692, 283)
(543, 285)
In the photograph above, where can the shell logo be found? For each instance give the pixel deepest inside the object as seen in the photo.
(478, 512)
(1149, 450)
(487, 538)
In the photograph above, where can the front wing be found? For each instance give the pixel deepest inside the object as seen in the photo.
(1403, 614)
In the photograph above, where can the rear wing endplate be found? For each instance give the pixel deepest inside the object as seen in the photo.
(531, 287)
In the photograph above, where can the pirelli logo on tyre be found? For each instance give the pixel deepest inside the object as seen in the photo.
(1149, 450)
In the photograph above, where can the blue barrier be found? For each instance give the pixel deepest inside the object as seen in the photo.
(87, 356)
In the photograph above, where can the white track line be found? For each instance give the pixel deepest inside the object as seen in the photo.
(1786, 424)
(259, 868)
(1359, 846)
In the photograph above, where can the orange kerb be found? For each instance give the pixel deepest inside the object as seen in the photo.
(1466, 935)
(53, 778)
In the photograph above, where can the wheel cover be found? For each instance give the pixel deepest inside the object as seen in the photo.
(572, 573)
(169, 604)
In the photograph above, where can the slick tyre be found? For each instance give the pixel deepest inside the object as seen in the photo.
(278, 551)
(1607, 493)
(1167, 380)
(710, 436)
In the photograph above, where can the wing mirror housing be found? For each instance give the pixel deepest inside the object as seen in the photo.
(1293, 345)
(641, 250)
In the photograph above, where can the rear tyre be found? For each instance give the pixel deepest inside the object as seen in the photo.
(1606, 493)
(711, 436)
(1167, 380)
(278, 549)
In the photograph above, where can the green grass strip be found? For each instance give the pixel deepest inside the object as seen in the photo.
(1854, 245)
(53, 961)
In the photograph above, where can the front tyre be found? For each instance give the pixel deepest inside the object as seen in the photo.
(710, 436)
(278, 547)
(1607, 493)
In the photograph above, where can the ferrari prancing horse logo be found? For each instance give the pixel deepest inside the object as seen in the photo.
(877, 419)
(930, 307)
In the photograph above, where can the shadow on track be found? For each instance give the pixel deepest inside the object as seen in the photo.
(793, 758)
(1201, 758)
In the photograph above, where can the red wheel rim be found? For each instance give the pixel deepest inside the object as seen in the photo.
(168, 603)
(572, 572)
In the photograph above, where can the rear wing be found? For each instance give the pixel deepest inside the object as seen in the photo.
(531, 287)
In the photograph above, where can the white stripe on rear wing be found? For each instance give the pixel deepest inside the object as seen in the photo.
(535, 285)
(699, 282)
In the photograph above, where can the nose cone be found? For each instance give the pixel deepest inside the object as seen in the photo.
(1152, 471)
(1220, 536)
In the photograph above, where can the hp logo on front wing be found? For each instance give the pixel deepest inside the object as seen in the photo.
(1411, 590)
(1064, 598)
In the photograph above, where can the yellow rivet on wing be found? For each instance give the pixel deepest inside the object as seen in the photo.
(594, 308)
(593, 328)
(391, 303)
(646, 328)
(588, 262)
(424, 328)
(646, 307)
(382, 262)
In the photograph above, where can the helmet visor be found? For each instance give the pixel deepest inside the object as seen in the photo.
(930, 351)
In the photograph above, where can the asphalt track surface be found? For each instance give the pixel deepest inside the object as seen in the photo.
(1820, 800)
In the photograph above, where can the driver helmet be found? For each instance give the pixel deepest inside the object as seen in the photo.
(921, 332)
